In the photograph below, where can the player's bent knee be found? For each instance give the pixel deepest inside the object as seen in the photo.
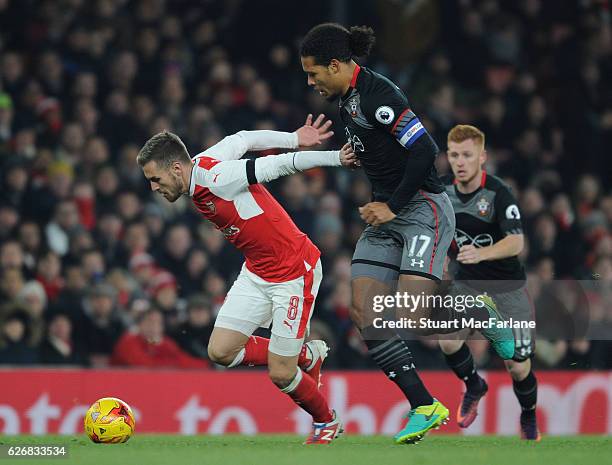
(282, 376)
(221, 355)
(450, 346)
(518, 370)
(215, 355)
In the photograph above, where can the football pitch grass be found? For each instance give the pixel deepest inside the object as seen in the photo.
(287, 449)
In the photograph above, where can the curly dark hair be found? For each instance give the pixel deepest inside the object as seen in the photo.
(329, 41)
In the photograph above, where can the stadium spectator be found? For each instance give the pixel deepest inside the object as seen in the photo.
(11, 256)
(59, 347)
(9, 220)
(100, 326)
(33, 297)
(15, 344)
(197, 263)
(92, 264)
(125, 287)
(49, 274)
(164, 293)
(30, 238)
(11, 283)
(65, 222)
(150, 347)
(193, 335)
(109, 229)
(177, 244)
(14, 187)
(70, 298)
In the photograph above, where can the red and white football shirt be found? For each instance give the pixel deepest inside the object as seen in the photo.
(251, 219)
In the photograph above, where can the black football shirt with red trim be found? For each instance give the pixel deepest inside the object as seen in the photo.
(484, 217)
(382, 128)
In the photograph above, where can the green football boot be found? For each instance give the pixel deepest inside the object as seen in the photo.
(420, 421)
(502, 339)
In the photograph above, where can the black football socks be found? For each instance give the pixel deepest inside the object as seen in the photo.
(462, 363)
(526, 392)
(393, 356)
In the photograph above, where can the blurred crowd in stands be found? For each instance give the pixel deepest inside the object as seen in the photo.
(97, 271)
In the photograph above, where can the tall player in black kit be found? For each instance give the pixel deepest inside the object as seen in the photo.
(410, 220)
(489, 237)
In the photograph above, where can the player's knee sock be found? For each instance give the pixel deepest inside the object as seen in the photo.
(462, 363)
(526, 391)
(305, 393)
(255, 353)
(393, 356)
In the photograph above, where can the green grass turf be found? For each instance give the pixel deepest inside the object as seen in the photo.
(350, 450)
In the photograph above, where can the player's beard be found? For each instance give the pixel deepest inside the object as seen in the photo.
(176, 192)
(332, 96)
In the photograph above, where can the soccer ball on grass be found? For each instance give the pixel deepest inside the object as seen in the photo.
(109, 420)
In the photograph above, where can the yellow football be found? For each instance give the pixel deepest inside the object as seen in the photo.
(109, 420)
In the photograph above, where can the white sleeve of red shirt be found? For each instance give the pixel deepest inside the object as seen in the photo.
(235, 146)
(226, 179)
(275, 166)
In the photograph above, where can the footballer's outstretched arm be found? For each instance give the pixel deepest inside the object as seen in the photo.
(235, 146)
(228, 178)
(273, 167)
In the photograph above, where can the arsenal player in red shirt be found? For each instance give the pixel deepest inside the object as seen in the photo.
(280, 278)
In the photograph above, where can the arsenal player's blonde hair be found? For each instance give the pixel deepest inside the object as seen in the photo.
(163, 148)
(463, 132)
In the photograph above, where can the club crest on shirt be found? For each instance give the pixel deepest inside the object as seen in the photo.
(353, 103)
(483, 206)
(211, 207)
